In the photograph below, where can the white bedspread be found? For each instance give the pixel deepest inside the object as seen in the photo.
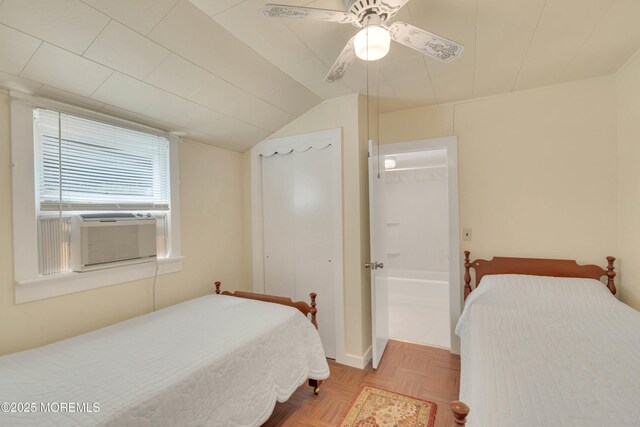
(211, 361)
(542, 351)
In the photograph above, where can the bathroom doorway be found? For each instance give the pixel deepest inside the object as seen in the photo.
(422, 241)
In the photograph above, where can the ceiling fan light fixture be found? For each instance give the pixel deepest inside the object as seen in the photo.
(372, 43)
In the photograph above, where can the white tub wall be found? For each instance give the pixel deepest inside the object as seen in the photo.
(419, 310)
(417, 219)
(418, 248)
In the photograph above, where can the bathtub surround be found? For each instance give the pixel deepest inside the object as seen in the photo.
(419, 307)
(418, 241)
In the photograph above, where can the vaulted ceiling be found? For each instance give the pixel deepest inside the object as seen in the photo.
(224, 74)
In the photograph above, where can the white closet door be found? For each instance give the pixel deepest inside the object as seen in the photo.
(314, 235)
(278, 218)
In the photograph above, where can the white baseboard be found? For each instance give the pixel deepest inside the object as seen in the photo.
(359, 362)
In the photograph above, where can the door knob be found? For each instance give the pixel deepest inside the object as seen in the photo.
(374, 265)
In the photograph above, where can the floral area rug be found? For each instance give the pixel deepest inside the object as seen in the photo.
(374, 407)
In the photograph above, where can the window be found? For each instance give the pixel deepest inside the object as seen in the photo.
(84, 165)
(69, 161)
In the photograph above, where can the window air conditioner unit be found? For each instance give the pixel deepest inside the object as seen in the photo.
(110, 240)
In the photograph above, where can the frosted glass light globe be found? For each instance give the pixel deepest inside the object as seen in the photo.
(379, 40)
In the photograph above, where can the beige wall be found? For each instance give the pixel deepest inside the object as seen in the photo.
(211, 206)
(537, 168)
(628, 165)
(346, 113)
(541, 174)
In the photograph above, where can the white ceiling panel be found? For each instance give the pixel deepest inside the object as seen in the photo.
(70, 24)
(241, 137)
(265, 79)
(64, 70)
(123, 49)
(188, 32)
(216, 93)
(178, 76)
(292, 98)
(612, 43)
(312, 73)
(356, 79)
(69, 98)
(553, 47)
(140, 15)
(225, 74)
(269, 36)
(503, 27)
(325, 39)
(455, 20)
(214, 7)
(258, 113)
(15, 49)
(141, 98)
(413, 88)
(134, 95)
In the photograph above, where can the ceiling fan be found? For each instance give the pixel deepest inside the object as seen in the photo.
(373, 40)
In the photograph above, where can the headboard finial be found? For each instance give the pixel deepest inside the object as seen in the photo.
(467, 274)
(611, 274)
(217, 284)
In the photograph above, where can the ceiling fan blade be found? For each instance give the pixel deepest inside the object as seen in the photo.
(391, 7)
(425, 42)
(284, 11)
(342, 64)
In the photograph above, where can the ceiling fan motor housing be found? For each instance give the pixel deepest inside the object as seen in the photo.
(363, 8)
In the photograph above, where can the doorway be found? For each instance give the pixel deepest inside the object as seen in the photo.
(419, 241)
(417, 236)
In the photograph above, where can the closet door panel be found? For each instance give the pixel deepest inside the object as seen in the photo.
(278, 216)
(314, 231)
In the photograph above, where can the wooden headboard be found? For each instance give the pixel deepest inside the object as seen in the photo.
(535, 267)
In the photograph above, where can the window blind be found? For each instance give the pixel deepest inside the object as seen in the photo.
(85, 165)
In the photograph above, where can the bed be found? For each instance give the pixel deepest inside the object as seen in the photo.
(218, 360)
(545, 343)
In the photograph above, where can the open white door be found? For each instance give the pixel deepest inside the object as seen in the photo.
(377, 225)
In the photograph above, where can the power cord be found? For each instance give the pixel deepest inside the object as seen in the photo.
(155, 279)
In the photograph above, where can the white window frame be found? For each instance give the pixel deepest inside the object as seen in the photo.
(30, 285)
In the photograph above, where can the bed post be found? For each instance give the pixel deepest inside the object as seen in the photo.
(460, 412)
(313, 310)
(467, 274)
(314, 383)
(217, 287)
(611, 274)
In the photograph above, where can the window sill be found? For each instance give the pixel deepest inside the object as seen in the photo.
(67, 283)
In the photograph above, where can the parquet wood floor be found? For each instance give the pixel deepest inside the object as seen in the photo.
(419, 371)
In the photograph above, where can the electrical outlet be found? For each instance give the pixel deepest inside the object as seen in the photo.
(466, 234)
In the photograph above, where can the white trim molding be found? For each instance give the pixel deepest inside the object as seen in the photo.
(354, 361)
(68, 283)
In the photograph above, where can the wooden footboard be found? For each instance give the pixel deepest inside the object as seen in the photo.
(309, 311)
(303, 307)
